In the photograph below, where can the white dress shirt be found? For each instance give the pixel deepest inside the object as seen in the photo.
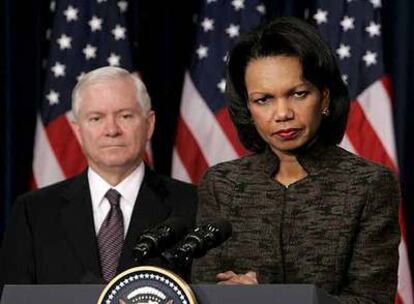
(128, 188)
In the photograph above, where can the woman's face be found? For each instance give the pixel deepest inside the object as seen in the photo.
(286, 109)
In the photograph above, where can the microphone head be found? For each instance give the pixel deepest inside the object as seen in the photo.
(225, 228)
(198, 242)
(206, 237)
(155, 240)
(221, 229)
(174, 228)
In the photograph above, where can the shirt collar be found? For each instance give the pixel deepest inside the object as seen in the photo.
(128, 187)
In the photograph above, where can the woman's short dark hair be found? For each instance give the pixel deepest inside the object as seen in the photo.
(291, 37)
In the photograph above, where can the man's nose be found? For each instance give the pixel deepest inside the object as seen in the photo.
(112, 127)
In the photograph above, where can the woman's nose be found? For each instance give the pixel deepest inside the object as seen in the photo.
(282, 110)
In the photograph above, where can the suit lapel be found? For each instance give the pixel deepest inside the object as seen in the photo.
(78, 224)
(149, 210)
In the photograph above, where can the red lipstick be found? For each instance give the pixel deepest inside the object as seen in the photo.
(287, 134)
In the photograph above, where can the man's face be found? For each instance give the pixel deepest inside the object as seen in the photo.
(111, 126)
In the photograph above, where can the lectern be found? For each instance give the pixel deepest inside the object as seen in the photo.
(205, 294)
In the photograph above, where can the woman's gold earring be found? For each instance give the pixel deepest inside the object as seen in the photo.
(325, 112)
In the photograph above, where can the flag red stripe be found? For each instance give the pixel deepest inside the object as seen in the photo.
(226, 124)
(364, 138)
(65, 146)
(33, 182)
(386, 82)
(402, 222)
(398, 299)
(190, 152)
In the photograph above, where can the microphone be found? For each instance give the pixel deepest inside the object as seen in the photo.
(155, 240)
(199, 241)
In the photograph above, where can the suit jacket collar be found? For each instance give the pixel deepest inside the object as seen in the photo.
(313, 157)
(77, 221)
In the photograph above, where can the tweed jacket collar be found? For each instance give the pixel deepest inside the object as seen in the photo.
(313, 158)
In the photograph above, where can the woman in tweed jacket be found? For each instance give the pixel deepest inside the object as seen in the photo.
(303, 210)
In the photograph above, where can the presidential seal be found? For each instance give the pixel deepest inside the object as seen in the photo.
(147, 285)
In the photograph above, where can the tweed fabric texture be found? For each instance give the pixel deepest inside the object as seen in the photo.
(111, 236)
(336, 228)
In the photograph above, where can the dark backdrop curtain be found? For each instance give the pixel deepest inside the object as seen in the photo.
(163, 33)
(399, 51)
(23, 48)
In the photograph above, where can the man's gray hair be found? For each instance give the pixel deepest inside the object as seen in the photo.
(108, 73)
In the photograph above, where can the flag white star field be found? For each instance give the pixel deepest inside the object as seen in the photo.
(205, 135)
(86, 34)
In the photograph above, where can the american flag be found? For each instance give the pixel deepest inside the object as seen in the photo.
(353, 29)
(205, 135)
(86, 34)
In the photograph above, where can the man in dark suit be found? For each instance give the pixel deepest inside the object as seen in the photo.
(83, 230)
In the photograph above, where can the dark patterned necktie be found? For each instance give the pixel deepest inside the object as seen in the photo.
(111, 236)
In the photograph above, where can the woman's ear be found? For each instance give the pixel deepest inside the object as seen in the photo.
(325, 99)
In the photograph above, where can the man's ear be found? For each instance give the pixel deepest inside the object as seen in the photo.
(76, 129)
(150, 119)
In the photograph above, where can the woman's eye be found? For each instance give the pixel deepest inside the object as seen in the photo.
(262, 100)
(300, 94)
